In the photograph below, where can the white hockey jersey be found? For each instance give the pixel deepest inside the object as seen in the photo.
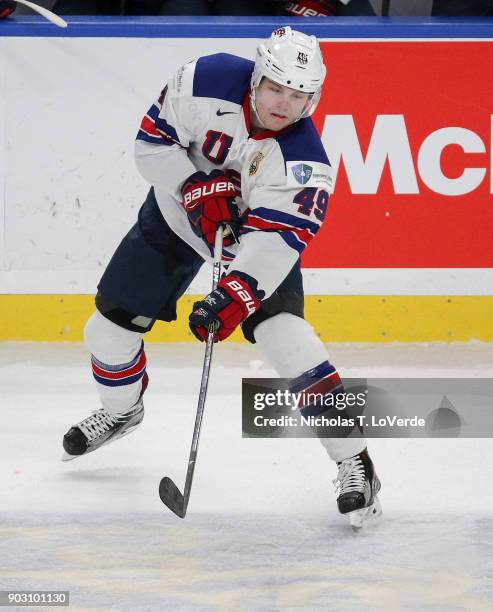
(201, 121)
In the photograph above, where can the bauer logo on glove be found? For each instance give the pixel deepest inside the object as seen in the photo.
(196, 196)
(234, 300)
(209, 200)
(244, 295)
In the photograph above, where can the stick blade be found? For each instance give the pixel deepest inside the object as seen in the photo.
(171, 497)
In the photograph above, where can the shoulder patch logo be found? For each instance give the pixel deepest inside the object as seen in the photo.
(302, 58)
(255, 163)
(302, 173)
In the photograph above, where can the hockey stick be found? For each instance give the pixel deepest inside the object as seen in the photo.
(168, 492)
(58, 21)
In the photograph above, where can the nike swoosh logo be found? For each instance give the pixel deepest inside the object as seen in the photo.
(220, 113)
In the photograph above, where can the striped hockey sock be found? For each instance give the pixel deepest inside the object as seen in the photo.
(121, 385)
(315, 385)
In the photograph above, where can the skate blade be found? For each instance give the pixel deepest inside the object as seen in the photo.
(68, 457)
(359, 518)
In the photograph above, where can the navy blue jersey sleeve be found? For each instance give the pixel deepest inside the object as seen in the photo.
(302, 142)
(222, 76)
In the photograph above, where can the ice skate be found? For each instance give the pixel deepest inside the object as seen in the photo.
(101, 427)
(358, 485)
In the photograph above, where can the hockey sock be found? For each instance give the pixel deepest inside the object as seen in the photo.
(118, 363)
(317, 389)
(131, 377)
(321, 401)
(292, 347)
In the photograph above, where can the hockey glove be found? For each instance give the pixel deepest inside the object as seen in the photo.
(209, 200)
(227, 306)
(6, 8)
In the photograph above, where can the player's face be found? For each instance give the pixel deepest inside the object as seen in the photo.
(278, 106)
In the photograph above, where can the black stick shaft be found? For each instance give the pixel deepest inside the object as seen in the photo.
(218, 247)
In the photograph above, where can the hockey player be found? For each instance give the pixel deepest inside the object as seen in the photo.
(227, 141)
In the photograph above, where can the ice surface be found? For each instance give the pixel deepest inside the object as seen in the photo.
(262, 532)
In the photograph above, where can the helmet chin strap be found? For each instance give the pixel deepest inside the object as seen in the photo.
(260, 122)
(253, 106)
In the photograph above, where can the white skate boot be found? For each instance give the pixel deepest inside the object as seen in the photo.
(101, 427)
(358, 485)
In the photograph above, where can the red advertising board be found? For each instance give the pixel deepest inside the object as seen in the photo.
(408, 124)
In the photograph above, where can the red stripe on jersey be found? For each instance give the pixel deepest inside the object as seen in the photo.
(149, 126)
(263, 224)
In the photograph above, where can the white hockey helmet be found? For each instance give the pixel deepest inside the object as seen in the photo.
(292, 59)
